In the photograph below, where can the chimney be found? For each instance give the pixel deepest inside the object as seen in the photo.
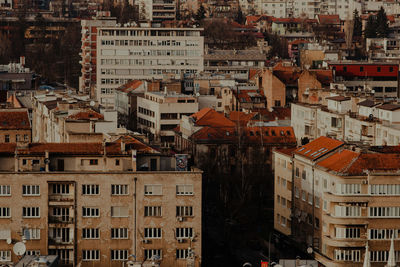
(133, 160)
(122, 146)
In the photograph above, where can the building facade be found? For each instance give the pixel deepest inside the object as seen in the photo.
(87, 204)
(128, 53)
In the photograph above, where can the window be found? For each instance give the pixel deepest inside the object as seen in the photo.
(347, 255)
(119, 189)
(119, 255)
(317, 202)
(296, 192)
(182, 253)
(184, 233)
(117, 162)
(184, 211)
(325, 205)
(150, 253)
(7, 138)
(32, 233)
(17, 138)
(361, 69)
(378, 69)
(152, 233)
(390, 69)
(26, 137)
(317, 223)
(5, 190)
(119, 233)
(393, 212)
(297, 172)
(94, 162)
(304, 175)
(31, 212)
(347, 211)
(33, 252)
(310, 199)
(5, 255)
(31, 190)
(303, 195)
(155, 190)
(90, 212)
(348, 189)
(90, 189)
(90, 255)
(185, 189)
(119, 212)
(60, 189)
(150, 211)
(383, 233)
(384, 189)
(347, 232)
(90, 233)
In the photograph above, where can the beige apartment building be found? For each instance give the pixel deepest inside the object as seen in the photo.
(341, 198)
(89, 204)
(138, 53)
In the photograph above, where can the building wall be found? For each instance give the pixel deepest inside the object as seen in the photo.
(11, 136)
(274, 89)
(145, 53)
(307, 81)
(75, 201)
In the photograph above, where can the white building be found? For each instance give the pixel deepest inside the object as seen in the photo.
(128, 53)
(311, 8)
(6, 4)
(159, 113)
(276, 8)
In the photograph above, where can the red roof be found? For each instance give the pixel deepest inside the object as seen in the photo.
(349, 163)
(241, 117)
(86, 115)
(286, 151)
(252, 19)
(253, 73)
(299, 41)
(15, 120)
(319, 147)
(328, 19)
(130, 86)
(210, 117)
(287, 20)
(325, 77)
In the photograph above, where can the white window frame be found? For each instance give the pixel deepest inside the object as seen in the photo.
(119, 233)
(90, 189)
(184, 211)
(119, 254)
(5, 255)
(5, 190)
(184, 190)
(31, 190)
(90, 233)
(153, 190)
(34, 233)
(119, 189)
(90, 212)
(152, 211)
(149, 253)
(182, 254)
(184, 232)
(30, 212)
(152, 233)
(91, 255)
(33, 252)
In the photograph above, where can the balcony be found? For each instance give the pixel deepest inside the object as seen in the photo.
(345, 220)
(61, 200)
(350, 242)
(345, 198)
(61, 219)
(58, 241)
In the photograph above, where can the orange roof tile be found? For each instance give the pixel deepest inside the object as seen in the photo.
(130, 86)
(349, 163)
(239, 116)
(210, 117)
(319, 147)
(16, 120)
(14, 101)
(252, 19)
(86, 115)
(286, 151)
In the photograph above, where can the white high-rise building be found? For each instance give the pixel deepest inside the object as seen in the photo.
(128, 53)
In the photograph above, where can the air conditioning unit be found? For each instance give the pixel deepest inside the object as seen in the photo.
(180, 219)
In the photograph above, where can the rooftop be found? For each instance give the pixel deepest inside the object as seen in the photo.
(338, 98)
(86, 115)
(210, 117)
(16, 120)
(318, 148)
(368, 103)
(390, 107)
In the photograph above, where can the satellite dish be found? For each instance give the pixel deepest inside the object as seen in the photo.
(19, 249)
(92, 103)
(9, 241)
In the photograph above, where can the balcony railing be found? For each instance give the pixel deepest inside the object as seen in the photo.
(61, 198)
(59, 241)
(61, 219)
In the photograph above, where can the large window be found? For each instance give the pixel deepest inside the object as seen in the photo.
(382, 256)
(90, 189)
(90, 212)
(347, 255)
(347, 232)
(182, 253)
(5, 255)
(60, 189)
(184, 189)
(383, 233)
(347, 211)
(90, 233)
(149, 253)
(153, 190)
(384, 189)
(348, 189)
(31, 212)
(119, 212)
(184, 232)
(384, 212)
(184, 211)
(150, 211)
(31, 190)
(152, 233)
(90, 255)
(32, 233)
(5, 190)
(119, 254)
(119, 233)
(119, 189)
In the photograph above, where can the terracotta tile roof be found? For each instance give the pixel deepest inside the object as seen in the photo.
(241, 117)
(130, 86)
(325, 77)
(287, 74)
(133, 143)
(298, 41)
(280, 113)
(287, 20)
(244, 96)
(391, 107)
(252, 19)
(113, 148)
(319, 147)
(338, 98)
(328, 19)
(286, 151)
(86, 115)
(253, 73)
(385, 149)
(210, 117)
(16, 120)
(349, 163)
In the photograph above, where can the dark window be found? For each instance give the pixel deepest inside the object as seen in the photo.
(7, 138)
(277, 103)
(117, 162)
(378, 69)
(390, 69)
(94, 162)
(344, 69)
(361, 69)
(24, 162)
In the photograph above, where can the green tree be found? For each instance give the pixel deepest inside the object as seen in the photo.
(357, 26)
(370, 27)
(201, 13)
(382, 27)
(240, 17)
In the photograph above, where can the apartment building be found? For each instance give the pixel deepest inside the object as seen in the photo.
(160, 112)
(89, 204)
(87, 80)
(157, 10)
(339, 199)
(128, 53)
(15, 126)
